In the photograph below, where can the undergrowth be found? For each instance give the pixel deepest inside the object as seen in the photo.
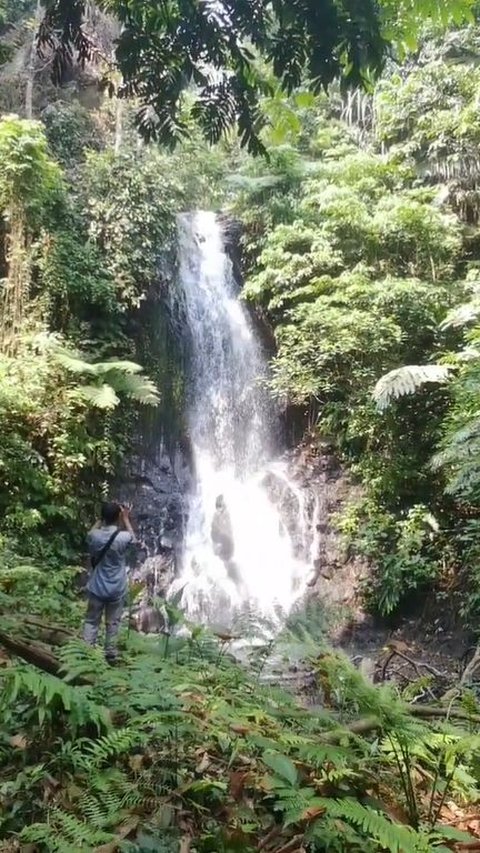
(182, 748)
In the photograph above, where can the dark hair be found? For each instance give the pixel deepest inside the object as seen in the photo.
(110, 512)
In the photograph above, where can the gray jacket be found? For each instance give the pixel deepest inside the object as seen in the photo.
(108, 580)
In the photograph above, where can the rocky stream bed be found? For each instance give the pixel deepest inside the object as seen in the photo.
(427, 647)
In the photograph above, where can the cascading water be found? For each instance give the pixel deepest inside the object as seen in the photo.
(254, 560)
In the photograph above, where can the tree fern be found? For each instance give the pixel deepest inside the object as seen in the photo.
(99, 396)
(407, 380)
(112, 378)
(463, 314)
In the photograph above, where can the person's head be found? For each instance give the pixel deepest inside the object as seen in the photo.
(220, 502)
(110, 513)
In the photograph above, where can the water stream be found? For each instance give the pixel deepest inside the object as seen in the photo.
(250, 535)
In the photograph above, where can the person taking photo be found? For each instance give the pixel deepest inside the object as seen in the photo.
(108, 542)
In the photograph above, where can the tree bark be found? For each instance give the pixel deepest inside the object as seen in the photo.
(32, 63)
(31, 653)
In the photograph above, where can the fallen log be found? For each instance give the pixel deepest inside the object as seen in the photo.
(370, 724)
(432, 711)
(31, 653)
(44, 626)
(38, 656)
(53, 635)
(31, 627)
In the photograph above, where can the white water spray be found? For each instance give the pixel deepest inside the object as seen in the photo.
(231, 430)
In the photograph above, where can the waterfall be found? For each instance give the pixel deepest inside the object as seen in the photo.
(240, 554)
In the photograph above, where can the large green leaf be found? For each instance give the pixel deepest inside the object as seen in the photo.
(105, 367)
(73, 363)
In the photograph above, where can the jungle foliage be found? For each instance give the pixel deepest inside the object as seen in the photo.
(165, 50)
(361, 251)
(361, 238)
(180, 748)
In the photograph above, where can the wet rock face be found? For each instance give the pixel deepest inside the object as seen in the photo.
(155, 575)
(156, 487)
(337, 577)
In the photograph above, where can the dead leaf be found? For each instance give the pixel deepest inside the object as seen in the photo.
(397, 813)
(312, 812)
(237, 784)
(135, 762)
(204, 763)
(19, 741)
(240, 730)
(123, 832)
(398, 646)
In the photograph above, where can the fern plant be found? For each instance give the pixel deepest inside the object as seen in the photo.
(407, 380)
(190, 731)
(106, 380)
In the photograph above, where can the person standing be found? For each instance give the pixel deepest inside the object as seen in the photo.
(108, 542)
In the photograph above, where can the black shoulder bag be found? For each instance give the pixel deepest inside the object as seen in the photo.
(95, 561)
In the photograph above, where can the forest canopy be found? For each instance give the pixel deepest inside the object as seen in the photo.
(232, 52)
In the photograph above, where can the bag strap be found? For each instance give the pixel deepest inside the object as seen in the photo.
(106, 547)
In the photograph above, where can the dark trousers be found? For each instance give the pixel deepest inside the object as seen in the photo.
(113, 614)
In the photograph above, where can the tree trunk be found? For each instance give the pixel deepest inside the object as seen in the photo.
(17, 284)
(118, 125)
(471, 667)
(32, 63)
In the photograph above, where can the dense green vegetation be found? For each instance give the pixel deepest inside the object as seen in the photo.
(181, 749)
(361, 252)
(361, 239)
(221, 49)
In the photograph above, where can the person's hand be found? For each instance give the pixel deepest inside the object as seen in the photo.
(125, 518)
(126, 510)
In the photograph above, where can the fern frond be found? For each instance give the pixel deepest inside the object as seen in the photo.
(99, 396)
(48, 691)
(129, 368)
(461, 315)
(407, 380)
(138, 388)
(390, 836)
(114, 377)
(65, 833)
(72, 362)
